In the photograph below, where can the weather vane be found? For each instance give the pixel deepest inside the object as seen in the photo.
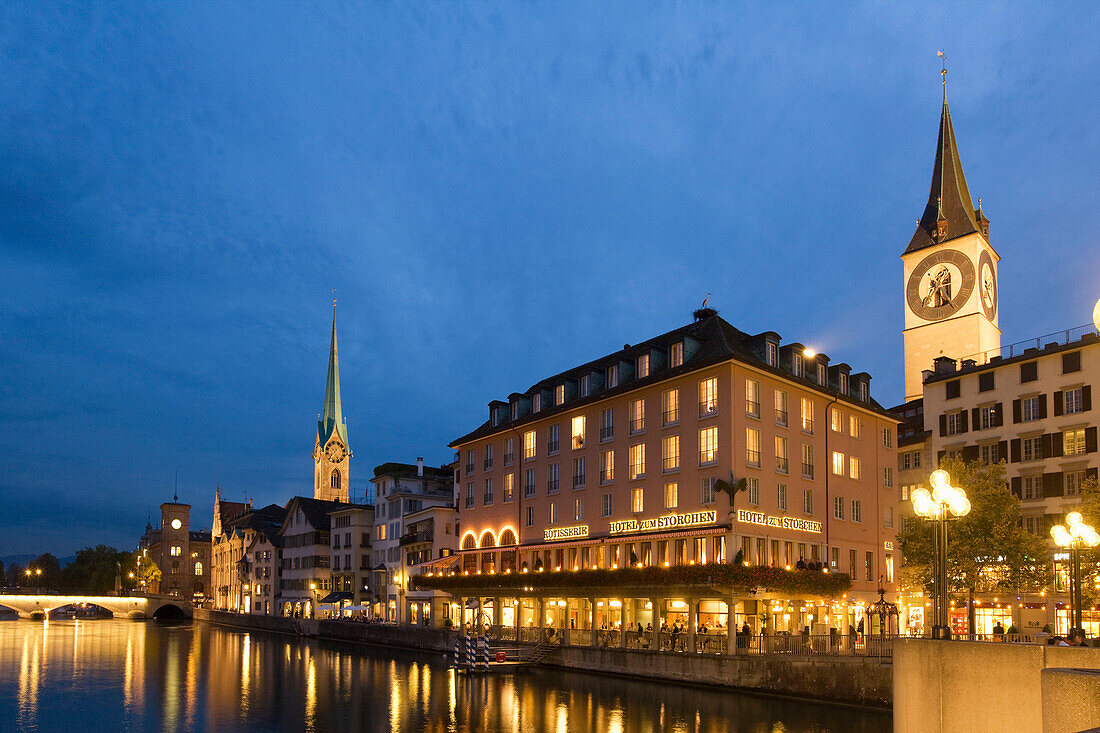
(334, 298)
(943, 72)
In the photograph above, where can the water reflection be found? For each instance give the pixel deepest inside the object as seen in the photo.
(134, 676)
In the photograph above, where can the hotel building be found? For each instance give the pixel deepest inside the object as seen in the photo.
(623, 461)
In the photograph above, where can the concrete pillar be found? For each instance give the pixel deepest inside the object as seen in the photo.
(693, 618)
(593, 631)
(622, 623)
(498, 614)
(655, 640)
(731, 624)
(566, 636)
(540, 622)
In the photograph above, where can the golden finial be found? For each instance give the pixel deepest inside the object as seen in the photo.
(334, 298)
(943, 72)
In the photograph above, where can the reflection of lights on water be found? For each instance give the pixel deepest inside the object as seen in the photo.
(311, 695)
(451, 694)
(246, 663)
(562, 723)
(395, 698)
(615, 721)
(29, 673)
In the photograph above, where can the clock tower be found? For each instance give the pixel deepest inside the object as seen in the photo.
(951, 294)
(331, 454)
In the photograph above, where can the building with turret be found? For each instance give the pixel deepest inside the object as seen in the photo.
(331, 452)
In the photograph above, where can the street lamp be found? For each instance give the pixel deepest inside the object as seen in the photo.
(1078, 536)
(944, 501)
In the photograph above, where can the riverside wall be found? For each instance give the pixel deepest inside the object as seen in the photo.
(853, 680)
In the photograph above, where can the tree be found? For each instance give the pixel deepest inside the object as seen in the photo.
(1090, 560)
(51, 571)
(988, 549)
(15, 572)
(3, 576)
(93, 570)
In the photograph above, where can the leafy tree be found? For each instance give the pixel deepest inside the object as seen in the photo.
(51, 571)
(15, 572)
(93, 570)
(3, 576)
(148, 574)
(988, 549)
(1090, 560)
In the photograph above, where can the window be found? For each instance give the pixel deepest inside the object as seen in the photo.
(985, 381)
(955, 423)
(637, 416)
(578, 473)
(469, 462)
(857, 510)
(910, 459)
(552, 443)
(888, 476)
(578, 510)
(470, 495)
(1033, 487)
(771, 353)
(780, 407)
(529, 483)
(536, 402)
(509, 486)
(671, 495)
(636, 504)
(807, 416)
(808, 501)
(509, 451)
(643, 366)
(334, 480)
(782, 464)
(559, 394)
(821, 374)
(836, 421)
(488, 497)
(855, 426)
(807, 460)
(708, 484)
(781, 496)
(578, 432)
(1029, 372)
(613, 376)
(488, 456)
(529, 445)
(515, 410)
(888, 437)
(1073, 442)
(605, 505)
(869, 566)
(838, 463)
(752, 398)
(990, 454)
(753, 485)
(585, 381)
(607, 466)
(1030, 408)
(676, 354)
(853, 467)
(834, 558)
(708, 446)
(670, 453)
(987, 417)
(708, 397)
(670, 407)
(176, 551)
(843, 383)
(796, 364)
(952, 389)
(1073, 481)
(888, 517)
(1032, 448)
(637, 461)
(552, 513)
(607, 424)
(752, 446)
(1071, 362)
(1073, 401)
(864, 391)
(838, 507)
(529, 516)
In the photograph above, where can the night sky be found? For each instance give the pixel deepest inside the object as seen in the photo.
(497, 192)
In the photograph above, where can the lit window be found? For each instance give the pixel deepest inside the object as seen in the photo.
(636, 499)
(643, 366)
(708, 445)
(578, 432)
(613, 376)
(771, 353)
(781, 408)
(176, 551)
(676, 354)
(198, 568)
(559, 394)
(670, 453)
(752, 398)
(578, 510)
(637, 416)
(552, 513)
(509, 486)
(752, 446)
(529, 445)
(637, 461)
(708, 396)
(607, 466)
(987, 417)
(670, 407)
(1073, 442)
(836, 421)
(855, 426)
(782, 464)
(807, 415)
(671, 491)
(838, 463)
(853, 467)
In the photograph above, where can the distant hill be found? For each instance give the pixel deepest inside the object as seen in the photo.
(24, 559)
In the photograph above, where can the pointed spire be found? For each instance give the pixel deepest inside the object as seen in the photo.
(332, 420)
(949, 212)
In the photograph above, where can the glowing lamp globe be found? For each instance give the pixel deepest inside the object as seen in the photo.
(939, 478)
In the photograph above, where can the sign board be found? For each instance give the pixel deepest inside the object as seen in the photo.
(667, 521)
(769, 520)
(565, 533)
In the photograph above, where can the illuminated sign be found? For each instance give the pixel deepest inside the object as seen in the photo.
(565, 533)
(1061, 556)
(668, 521)
(767, 520)
(888, 545)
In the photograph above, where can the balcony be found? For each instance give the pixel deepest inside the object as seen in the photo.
(670, 417)
(807, 470)
(552, 486)
(607, 434)
(782, 465)
(412, 538)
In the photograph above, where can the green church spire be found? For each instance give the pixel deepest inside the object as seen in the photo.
(332, 420)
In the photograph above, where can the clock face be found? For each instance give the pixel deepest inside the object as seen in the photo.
(940, 285)
(987, 285)
(335, 452)
(176, 524)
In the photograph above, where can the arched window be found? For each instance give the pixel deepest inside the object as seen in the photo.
(469, 542)
(507, 537)
(198, 568)
(487, 539)
(335, 478)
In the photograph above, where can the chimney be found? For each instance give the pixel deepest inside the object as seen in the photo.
(420, 465)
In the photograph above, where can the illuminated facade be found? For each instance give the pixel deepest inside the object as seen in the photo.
(622, 462)
(182, 555)
(331, 451)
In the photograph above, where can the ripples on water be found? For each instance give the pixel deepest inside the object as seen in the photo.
(141, 676)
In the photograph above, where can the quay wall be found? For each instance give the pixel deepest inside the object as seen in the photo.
(854, 680)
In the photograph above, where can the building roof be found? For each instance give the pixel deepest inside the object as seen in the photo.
(332, 420)
(408, 470)
(716, 340)
(315, 510)
(953, 372)
(948, 197)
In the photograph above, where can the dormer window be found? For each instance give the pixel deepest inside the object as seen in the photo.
(536, 402)
(821, 374)
(843, 383)
(796, 365)
(863, 392)
(643, 366)
(771, 353)
(585, 382)
(559, 394)
(515, 410)
(676, 354)
(613, 376)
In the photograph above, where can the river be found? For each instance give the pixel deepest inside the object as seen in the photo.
(115, 675)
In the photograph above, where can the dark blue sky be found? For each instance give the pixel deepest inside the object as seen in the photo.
(497, 192)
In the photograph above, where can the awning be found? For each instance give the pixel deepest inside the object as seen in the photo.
(336, 597)
(438, 565)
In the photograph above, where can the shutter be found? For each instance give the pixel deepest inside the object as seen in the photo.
(1015, 450)
(1002, 451)
(1017, 486)
(1000, 414)
(1042, 406)
(1086, 397)
(975, 418)
(1058, 401)
(1052, 484)
(970, 453)
(939, 457)
(943, 425)
(1090, 440)
(962, 421)
(1056, 446)
(1091, 473)
(1015, 411)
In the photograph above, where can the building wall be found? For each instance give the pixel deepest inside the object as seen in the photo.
(305, 575)
(352, 530)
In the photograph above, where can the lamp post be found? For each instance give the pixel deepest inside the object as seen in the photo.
(944, 501)
(1078, 536)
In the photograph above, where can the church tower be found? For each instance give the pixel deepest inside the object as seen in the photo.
(331, 454)
(950, 272)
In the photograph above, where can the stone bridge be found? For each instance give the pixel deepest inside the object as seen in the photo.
(29, 605)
